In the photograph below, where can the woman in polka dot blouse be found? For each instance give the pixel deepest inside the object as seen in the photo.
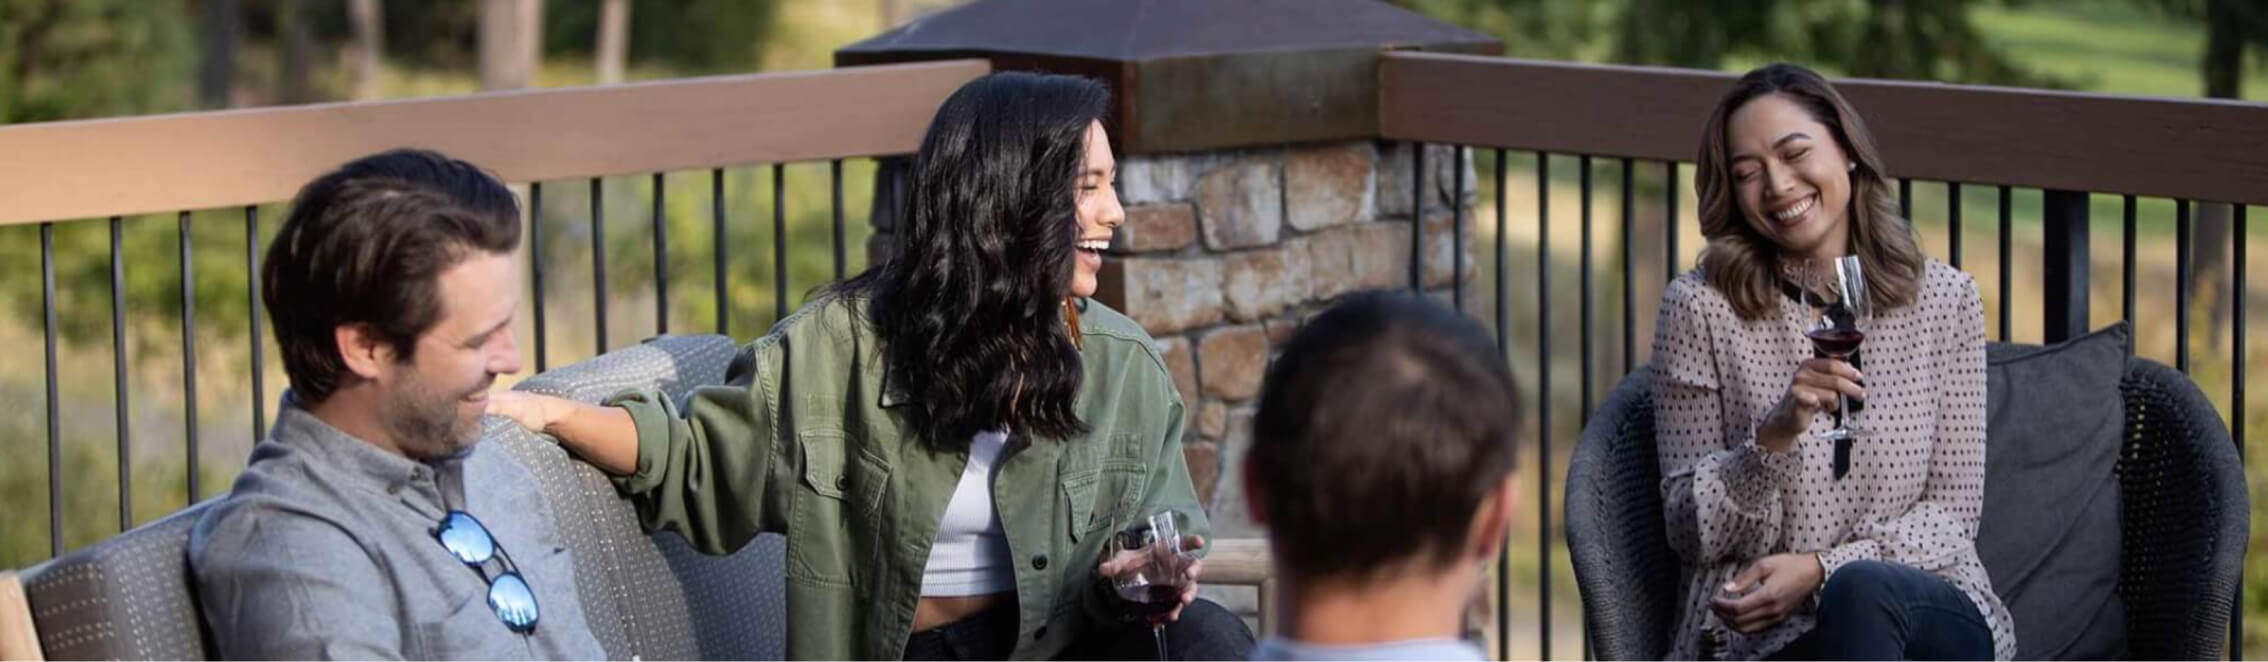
(1788, 557)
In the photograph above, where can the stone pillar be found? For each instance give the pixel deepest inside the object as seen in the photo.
(1225, 253)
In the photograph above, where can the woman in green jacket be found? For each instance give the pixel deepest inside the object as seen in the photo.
(948, 439)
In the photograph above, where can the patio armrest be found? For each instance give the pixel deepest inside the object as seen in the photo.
(1244, 562)
(1237, 561)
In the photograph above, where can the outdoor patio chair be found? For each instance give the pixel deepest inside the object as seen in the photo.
(2145, 571)
(131, 597)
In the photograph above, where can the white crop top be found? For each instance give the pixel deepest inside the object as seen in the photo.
(970, 556)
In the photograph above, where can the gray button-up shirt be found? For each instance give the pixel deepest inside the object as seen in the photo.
(325, 550)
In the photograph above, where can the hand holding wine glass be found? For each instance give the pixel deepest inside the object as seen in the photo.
(1833, 292)
(1837, 297)
(1153, 570)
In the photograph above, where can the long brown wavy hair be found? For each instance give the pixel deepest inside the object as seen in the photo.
(1741, 262)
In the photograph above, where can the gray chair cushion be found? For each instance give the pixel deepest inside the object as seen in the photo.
(651, 595)
(2049, 535)
(128, 598)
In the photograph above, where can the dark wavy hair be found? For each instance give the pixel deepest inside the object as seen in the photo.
(365, 245)
(970, 305)
(1741, 262)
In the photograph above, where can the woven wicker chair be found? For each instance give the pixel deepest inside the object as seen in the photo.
(2184, 522)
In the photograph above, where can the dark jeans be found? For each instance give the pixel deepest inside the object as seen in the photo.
(1871, 610)
(1206, 631)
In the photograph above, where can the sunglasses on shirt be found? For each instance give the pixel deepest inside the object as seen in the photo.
(508, 592)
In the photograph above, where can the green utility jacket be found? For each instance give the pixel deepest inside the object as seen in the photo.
(802, 441)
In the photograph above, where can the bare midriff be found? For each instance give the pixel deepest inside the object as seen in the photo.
(938, 610)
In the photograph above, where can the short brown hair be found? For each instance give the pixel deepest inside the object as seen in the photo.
(1383, 426)
(1740, 262)
(365, 244)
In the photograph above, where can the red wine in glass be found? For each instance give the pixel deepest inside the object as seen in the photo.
(1836, 342)
(1149, 602)
(1153, 566)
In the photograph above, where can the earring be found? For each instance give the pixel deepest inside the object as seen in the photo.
(1852, 166)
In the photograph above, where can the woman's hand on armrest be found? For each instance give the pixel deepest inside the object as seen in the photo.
(604, 436)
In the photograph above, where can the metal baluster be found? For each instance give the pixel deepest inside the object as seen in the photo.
(2236, 400)
(1629, 263)
(598, 262)
(717, 221)
(1669, 221)
(1906, 199)
(535, 268)
(1504, 347)
(1543, 398)
(1417, 216)
(2007, 275)
(189, 355)
(259, 368)
(1953, 223)
(2126, 249)
(779, 242)
(835, 177)
(54, 410)
(2183, 260)
(1457, 229)
(118, 376)
(1589, 325)
(661, 258)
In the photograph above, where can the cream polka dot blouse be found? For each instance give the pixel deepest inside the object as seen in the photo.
(1916, 479)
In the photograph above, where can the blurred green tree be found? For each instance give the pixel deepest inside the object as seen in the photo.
(62, 59)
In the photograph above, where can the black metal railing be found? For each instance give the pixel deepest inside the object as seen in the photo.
(539, 271)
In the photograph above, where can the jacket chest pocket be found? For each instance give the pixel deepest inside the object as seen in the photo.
(1103, 483)
(832, 470)
(834, 523)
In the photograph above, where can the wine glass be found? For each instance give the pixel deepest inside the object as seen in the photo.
(1835, 292)
(1150, 586)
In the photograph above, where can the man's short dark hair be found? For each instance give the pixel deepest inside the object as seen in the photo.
(1383, 425)
(366, 244)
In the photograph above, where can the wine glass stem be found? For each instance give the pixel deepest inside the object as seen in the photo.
(1843, 412)
(1157, 633)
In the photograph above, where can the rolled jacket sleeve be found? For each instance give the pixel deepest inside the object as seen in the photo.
(705, 469)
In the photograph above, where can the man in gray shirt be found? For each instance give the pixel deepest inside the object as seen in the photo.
(370, 525)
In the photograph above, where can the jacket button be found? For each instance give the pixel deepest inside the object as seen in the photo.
(842, 482)
(1040, 633)
(1039, 561)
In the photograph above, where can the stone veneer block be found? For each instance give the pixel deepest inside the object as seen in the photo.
(1264, 282)
(1212, 420)
(1204, 459)
(1230, 517)
(1156, 228)
(1241, 205)
(1166, 295)
(1230, 362)
(1330, 261)
(1329, 186)
(1394, 178)
(1149, 179)
(1181, 364)
(1381, 253)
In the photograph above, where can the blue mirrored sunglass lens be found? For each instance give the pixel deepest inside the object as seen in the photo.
(513, 602)
(464, 537)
